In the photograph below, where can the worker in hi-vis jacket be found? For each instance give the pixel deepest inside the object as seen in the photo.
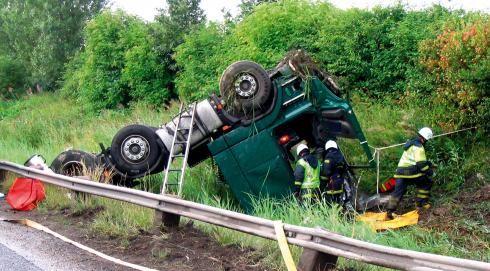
(413, 168)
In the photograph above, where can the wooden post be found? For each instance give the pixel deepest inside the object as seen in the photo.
(3, 175)
(75, 195)
(167, 219)
(312, 260)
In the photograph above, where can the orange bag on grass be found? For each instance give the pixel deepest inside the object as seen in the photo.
(25, 193)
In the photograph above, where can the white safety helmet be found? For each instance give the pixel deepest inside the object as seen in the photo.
(425, 132)
(300, 148)
(331, 144)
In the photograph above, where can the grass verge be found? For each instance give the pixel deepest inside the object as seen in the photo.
(48, 124)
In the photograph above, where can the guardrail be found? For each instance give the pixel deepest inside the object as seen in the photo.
(315, 239)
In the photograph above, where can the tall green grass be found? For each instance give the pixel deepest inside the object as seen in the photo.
(48, 123)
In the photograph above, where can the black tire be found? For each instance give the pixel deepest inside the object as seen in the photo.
(245, 86)
(75, 163)
(141, 152)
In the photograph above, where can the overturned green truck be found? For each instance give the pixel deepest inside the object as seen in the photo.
(249, 129)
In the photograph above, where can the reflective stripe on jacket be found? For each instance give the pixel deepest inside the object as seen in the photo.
(413, 162)
(332, 172)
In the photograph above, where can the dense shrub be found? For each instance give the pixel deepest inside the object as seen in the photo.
(118, 64)
(12, 78)
(265, 37)
(458, 65)
(202, 59)
(374, 51)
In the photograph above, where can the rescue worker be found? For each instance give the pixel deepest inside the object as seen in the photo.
(306, 175)
(333, 171)
(413, 168)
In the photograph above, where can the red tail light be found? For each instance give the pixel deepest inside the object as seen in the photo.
(284, 139)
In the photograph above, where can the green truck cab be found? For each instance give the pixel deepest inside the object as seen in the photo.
(256, 159)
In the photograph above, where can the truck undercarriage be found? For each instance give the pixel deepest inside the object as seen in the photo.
(249, 129)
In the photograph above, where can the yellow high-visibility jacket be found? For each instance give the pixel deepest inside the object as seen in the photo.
(413, 162)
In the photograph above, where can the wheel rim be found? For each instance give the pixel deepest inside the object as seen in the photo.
(135, 149)
(245, 85)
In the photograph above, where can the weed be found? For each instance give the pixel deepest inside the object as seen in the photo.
(157, 253)
(125, 243)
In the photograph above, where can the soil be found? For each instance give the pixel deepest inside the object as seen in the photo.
(187, 248)
(441, 216)
(181, 248)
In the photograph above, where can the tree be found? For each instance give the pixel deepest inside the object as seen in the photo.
(173, 23)
(43, 34)
(170, 28)
(247, 6)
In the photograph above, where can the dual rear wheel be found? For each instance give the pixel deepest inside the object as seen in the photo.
(245, 88)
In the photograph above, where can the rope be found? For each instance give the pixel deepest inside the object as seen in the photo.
(377, 151)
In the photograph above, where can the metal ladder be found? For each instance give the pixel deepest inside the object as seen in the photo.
(181, 141)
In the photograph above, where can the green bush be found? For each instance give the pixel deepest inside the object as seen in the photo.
(265, 36)
(12, 78)
(458, 66)
(118, 64)
(374, 51)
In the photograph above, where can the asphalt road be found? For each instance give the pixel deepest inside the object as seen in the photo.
(25, 248)
(9, 260)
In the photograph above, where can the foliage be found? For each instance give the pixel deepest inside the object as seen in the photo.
(41, 35)
(170, 28)
(247, 6)
(201, 57)
(12, 78)
(457, 63)
(118, 64)
(264, 37)
(109, 36)
(128, 59)
(374, 51)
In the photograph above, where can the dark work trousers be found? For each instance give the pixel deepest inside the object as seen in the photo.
(333, 191)
(423, 183)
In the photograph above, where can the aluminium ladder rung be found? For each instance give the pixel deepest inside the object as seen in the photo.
(173, 183)
(174, 169)
(178, 155)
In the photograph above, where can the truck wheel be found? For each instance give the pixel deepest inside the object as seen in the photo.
(75, 163)
(245, 86)
(135, 150)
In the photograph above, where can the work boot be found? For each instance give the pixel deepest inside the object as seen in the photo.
(422, 206)
(389, 214)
